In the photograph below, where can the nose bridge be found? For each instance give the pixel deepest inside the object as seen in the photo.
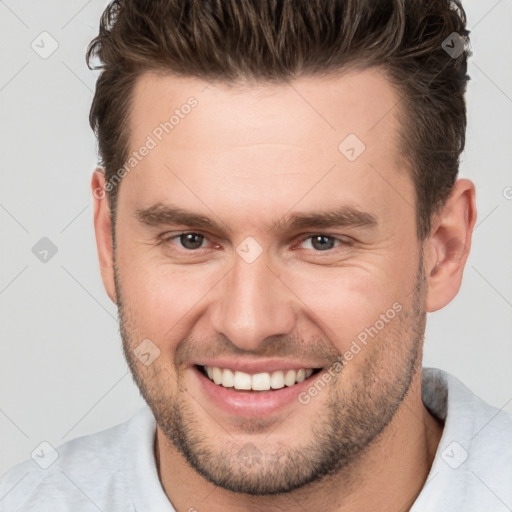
(252, 304)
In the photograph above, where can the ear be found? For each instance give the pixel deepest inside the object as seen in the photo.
(103, 230)
(447, 247)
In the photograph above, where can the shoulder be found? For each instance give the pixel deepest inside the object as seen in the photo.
(79, 472)
(486, 437)
(473, 464)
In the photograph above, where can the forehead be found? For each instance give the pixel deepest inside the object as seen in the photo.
(262, 144)
(314, 108)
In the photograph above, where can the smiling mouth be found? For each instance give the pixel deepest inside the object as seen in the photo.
(264, 381)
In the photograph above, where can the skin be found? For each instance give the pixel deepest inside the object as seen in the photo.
(247, 156)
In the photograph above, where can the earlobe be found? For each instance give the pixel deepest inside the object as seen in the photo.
(103, 232)
(449, 244)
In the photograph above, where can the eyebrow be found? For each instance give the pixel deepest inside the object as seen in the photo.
(163, 214)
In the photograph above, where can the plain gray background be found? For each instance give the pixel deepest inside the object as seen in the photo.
(62, 372)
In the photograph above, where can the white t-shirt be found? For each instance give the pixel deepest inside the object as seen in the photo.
(114, 470)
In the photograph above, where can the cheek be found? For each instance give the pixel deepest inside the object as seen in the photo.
(343, 302)
(161, 301)
(165, 301)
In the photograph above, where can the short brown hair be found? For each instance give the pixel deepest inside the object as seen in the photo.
(279, 40)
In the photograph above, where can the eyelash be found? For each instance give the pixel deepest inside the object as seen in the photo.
(342, 241)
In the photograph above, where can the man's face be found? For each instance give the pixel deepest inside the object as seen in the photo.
(255, 292)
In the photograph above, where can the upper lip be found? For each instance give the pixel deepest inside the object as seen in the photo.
(259, 366)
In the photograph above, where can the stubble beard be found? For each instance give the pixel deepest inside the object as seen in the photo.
(353, 418)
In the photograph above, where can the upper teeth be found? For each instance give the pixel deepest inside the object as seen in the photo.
(258, 381)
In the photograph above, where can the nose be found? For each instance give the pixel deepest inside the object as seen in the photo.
(251, 304)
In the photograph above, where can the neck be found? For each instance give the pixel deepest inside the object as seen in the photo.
(388, 476)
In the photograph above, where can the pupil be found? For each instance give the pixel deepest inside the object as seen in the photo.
(322, 242)
(191, 240)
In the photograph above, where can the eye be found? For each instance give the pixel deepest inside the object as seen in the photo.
(320, 242)
(189, 241)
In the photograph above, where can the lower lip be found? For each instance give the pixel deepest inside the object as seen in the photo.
(251, 404)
